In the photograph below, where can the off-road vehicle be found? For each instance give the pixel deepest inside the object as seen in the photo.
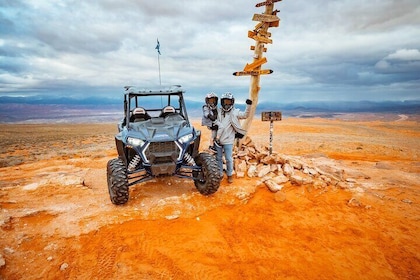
(155, 138)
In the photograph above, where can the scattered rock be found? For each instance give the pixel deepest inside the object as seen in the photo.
(2, 261)
(252, 171)
(8, 250)
(288, 170)
(319, 184)
(296, 163)
(407, 201)
(31, 187)
(309, 170)
(326, 179)
(263, 170)
(6, 223)
(243, 196)
(296, 180)
(272, 186)
(280, 179)
(241, 168)
(51, 247)
(174, 216)
(354, 202)
(330, 171)
(64, 266)
(276, 169)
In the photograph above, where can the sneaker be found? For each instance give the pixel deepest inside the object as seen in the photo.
(217, 143)
(213, 149)
(230, 179)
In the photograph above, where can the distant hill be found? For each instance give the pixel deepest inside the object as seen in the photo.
(44, 100)
(98, 109)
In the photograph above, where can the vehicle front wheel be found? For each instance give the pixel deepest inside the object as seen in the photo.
(207, 181)
(117, 181)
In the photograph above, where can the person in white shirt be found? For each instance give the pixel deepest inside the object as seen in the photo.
(229, 129)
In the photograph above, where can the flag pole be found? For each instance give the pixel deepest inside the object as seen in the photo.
(158, 54)
(160, 80)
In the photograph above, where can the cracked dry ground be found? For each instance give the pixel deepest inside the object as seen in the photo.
(57, 221)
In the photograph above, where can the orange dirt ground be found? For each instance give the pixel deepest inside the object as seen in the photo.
(57, 222)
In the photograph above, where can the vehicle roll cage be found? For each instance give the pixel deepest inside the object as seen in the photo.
(131, 98)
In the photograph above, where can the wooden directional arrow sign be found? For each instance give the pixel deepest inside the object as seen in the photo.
(262, 39)
(267, 3)
(252, 48)
(251, 34)
(259, 25)
(265, 18)
(255, 64)
(253, 72)
(264, 33)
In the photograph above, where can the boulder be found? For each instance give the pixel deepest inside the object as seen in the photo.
(296, 180)
(280, 179)
(241, 168)
(273, 186)
(252, 170)
(288, 170)
(263, 170)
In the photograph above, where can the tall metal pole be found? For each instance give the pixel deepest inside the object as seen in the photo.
(158, 54)
(160, 80)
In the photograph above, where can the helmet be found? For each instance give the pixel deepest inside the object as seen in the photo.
(211, 100)
(227, 101)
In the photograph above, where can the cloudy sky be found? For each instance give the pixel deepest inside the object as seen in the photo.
(322, 50)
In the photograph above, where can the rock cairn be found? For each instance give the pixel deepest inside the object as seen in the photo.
(275, 170)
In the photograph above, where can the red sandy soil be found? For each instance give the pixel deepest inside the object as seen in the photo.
(57, 222)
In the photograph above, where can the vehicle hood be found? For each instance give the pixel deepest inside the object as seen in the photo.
(157, 130)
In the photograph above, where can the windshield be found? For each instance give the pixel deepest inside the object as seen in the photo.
(155, 103)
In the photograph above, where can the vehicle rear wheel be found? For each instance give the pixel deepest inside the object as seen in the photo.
(117, 181)
(207, 181)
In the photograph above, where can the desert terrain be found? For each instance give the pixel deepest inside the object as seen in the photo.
(57, 222)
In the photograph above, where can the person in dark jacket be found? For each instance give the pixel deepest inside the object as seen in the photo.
(209, 117)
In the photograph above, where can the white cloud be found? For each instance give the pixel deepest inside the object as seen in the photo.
(404, 55)
(401, 62)
(336, 45)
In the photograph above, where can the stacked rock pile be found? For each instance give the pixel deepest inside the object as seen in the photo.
(275, 170)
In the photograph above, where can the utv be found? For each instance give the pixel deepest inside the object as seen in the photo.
(156, 138)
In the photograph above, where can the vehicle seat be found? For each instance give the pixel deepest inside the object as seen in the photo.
(167, 111)
(140, 114)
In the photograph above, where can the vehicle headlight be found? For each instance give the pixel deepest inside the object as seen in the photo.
(135, 141)
(186, 138)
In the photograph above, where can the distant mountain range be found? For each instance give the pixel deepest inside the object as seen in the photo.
(91, 109)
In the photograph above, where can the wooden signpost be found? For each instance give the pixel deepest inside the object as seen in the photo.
(253, 72)
(265, 18)
(272, 117)
(266, 3)
(255, 64)
(261, 36)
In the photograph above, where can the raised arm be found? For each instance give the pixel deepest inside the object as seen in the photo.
(245, 114)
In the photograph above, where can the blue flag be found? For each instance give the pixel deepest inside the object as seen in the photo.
(158, 46)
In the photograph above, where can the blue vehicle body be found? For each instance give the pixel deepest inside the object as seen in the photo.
(155, 138)
(160, 144)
